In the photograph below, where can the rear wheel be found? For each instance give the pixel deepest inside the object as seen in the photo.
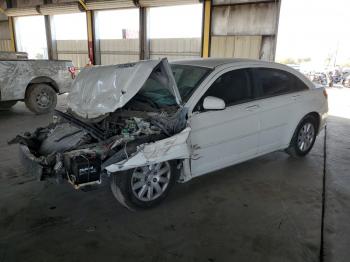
(6, 105)
(40, 98)
(304, 137)
(144, 187)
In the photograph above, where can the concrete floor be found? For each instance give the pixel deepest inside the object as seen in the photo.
(267, 209)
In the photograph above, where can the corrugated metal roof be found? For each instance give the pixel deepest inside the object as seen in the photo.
(109, 4)
(156, 3)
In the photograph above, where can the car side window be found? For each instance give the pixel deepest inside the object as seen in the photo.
(233, 87)
(274, 82)
(299, 85)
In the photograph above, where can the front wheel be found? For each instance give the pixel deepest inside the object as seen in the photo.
(304, 137)
(144, 187)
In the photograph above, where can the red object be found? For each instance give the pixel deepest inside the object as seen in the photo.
(325, 93)
(91, 52)
(72, 71)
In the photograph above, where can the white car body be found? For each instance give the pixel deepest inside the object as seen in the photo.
(215, 139)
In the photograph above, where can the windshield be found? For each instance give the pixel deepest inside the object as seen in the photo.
(156, 94)
(188, 78)
(156, 91)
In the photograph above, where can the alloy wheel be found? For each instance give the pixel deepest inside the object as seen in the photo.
(306, 137)
(150, 182)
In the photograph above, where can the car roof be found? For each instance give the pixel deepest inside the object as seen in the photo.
(215, 62)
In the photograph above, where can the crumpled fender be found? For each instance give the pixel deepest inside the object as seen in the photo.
(175, 147)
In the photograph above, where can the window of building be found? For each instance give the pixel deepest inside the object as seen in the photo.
(31, 36)
(175, 31)
(117, 34)
(70, 26)
(117, 24)
(182, 21)
(70, 33)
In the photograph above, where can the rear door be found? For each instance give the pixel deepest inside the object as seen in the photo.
(280, 95)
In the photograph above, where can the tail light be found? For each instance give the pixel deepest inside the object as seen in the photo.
(325, 93)
(72, 71)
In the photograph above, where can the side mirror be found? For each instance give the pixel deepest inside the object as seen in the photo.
(213, 103)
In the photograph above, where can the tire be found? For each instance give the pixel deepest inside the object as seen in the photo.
(6, 105)
(40, 98)
(304, 137)
(122, 185)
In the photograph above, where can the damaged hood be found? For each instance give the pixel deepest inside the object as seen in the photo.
(103, 89)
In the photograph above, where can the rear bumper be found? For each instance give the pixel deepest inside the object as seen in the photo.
(323, 121)
(323, 113)
(31, 162)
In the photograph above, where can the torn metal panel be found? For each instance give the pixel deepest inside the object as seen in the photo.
(174, 147)
(103, 89)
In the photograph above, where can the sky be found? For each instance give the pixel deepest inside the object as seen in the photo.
(31, 36)
(176, 21)
(70, 26)
(315, 29)
(163, 22)
(110, 23)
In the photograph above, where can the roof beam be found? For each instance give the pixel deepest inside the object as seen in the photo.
(82, 3)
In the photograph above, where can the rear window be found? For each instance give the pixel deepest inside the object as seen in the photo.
(274, 82)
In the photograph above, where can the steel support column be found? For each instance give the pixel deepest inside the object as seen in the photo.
(50, 39)
(12, 34)
(206, 28)
(143, 36)
(11, 27)
(90, 34)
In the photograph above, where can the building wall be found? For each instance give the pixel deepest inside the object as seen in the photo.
(118, 51)
(239, 28)
(236, 46)
(175, 48)
(75, 50)
(244, 30)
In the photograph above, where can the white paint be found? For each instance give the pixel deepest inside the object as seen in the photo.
(215, 139)
(175, 147)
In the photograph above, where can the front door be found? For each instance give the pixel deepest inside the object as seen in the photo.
(220, 138)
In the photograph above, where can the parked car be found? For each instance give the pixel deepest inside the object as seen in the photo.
(346, 82)
(319, 78)
(36, 82)
(151, 123)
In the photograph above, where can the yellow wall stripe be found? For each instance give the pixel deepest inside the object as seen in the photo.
(12, 34)
(206, 28)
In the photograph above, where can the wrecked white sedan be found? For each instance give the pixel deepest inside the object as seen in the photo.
(150, 124)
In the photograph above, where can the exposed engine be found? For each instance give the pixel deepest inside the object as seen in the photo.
(78, 151)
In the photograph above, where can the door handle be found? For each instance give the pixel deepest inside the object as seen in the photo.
(252, 108)
(295, 97)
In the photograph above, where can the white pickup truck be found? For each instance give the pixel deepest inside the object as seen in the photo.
(36, 82)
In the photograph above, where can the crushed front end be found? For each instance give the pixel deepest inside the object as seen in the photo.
(113, 112)
(79, 151)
